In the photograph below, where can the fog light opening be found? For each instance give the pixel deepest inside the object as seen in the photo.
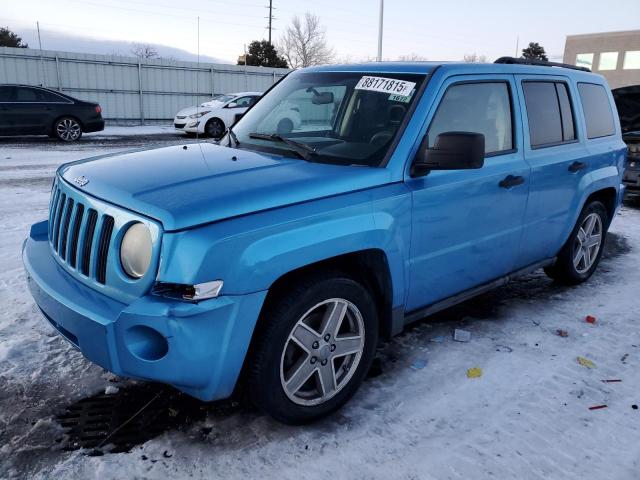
(146, 343)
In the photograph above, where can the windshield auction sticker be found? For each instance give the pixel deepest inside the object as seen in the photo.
(401, 88)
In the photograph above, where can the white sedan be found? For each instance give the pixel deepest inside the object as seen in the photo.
(214, 117)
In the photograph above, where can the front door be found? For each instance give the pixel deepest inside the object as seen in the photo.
(467, 224)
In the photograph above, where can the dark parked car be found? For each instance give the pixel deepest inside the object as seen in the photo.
(628, 102)
(28, 110)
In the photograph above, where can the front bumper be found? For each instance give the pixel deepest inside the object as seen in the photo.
(198, 348)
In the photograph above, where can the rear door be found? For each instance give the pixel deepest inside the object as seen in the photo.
(554, 149)
(467, 224)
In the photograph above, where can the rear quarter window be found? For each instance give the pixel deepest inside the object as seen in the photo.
(598, 115)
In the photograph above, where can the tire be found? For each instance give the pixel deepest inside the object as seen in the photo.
(581, 254)
(277, 356)
(67, 129)
(214, 128)
(284, 126)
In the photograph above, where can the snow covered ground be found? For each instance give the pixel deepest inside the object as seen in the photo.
(526, 417)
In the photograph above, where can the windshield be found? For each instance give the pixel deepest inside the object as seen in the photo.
(218, 99)
(346, 118)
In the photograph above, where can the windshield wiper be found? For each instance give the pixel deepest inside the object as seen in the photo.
(302, 149)
(232, 136)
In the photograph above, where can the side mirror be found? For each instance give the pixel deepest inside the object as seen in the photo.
(451, 151)
(322, 98)
(232, 105)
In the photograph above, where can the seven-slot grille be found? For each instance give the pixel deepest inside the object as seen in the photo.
(79, 235)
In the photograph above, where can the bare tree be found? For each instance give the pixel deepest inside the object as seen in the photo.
(475, 58)
(144, 50)
(304, 42)
(412, 57)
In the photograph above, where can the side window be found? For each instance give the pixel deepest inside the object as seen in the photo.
(479, 108)
(7, 94)
(50, 97)
(25, 94)
(597, 110)
(243, 102)
(549, 113)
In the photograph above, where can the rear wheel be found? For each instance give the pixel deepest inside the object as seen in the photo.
(67, 129)
(214, 128)
(314, 351)
(580, 256)
(285, 126)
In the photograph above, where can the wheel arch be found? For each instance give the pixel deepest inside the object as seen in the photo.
(608, 197)
(52, 126)
(369, 267)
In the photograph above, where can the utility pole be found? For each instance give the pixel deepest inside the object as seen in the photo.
(270, 18)
(380, 30)
(517, 44)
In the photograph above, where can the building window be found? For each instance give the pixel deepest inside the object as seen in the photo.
(584, 60)
(608, 61)
(631, 60)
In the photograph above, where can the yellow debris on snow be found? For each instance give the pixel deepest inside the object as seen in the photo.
(474, 372)
(585, 362)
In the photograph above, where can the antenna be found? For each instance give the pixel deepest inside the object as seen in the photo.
(44, 72)
(197, 82)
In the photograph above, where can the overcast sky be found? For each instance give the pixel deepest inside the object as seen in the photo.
(437, 30)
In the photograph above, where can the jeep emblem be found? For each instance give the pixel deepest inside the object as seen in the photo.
(81, 181)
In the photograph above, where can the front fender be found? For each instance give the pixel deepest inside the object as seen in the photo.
(250, 253)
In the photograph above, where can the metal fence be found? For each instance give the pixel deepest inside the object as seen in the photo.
(131, 89)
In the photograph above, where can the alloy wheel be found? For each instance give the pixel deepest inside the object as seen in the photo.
(322, 352)
(68, 129)
(587, 243)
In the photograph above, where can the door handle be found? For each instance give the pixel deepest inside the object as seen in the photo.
(511, 181)
(577, 166)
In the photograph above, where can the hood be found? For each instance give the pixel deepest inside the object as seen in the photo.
(188, 185)
(205, 106)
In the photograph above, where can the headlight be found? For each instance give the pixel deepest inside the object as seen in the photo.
(135, 250)
(199, 114)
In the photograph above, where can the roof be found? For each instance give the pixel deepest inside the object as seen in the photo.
(237, 94)
(454, 68)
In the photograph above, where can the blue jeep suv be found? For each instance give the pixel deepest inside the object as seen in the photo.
(276, 259)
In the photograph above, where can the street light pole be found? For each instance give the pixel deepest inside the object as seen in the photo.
(380, 31)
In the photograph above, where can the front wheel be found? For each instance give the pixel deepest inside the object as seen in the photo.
(580, 256)
(67, 129)
(315, 348)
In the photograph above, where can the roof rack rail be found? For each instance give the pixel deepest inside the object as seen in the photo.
(542, 63)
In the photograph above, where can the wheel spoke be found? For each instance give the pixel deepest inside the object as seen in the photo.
(304, 336)
(590, 223)
(347, 346)
(581, 235)
(302, 371)
(587, 258)
(327, 378)
(333, 318)
(579, 254)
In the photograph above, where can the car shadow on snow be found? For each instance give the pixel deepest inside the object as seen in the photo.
(138, 412)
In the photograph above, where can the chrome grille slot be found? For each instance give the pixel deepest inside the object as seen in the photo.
(75, 234)
(55, 195)
(103, 249)
(88, 241)
(64, 229)
(56, 226)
